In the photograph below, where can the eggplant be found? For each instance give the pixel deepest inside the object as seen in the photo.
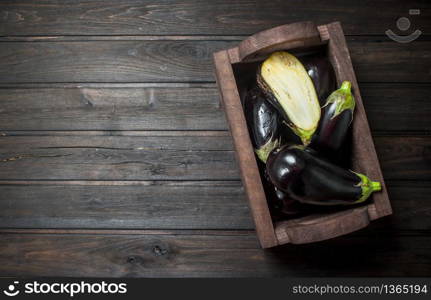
(312, 180)
(287, 206)
(286, 83)
(263, 122)
(280, 205)
(337, 115)
(321, 73)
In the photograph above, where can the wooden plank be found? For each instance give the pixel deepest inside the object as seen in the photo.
(141, 133)
(109, 61)
(111, 109)
(81, 38)
(412, 209)
(171, 205)
(222, 255)
(374, 60)
(155, 142)
(177, 157)
(406, 108)
(149, 205)
(398, 107)
(199, 17)
(405, 157)
(377, 60)
(118, 157)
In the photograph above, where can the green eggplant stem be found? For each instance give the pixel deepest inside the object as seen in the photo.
(346, 86)
(263, 152)
(304, 135)
(343, 98)
(367, 187)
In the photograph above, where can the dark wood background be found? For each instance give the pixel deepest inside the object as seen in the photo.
(115, 159)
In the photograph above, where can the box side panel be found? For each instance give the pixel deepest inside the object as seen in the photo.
(244, 150)
(319, 228)
(365, 156)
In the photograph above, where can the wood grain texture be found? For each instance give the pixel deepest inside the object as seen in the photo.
(148, 205)
(374, 60)
(118, 61)
(398, 107)
(85, 71)
(406, 107)
(223, 255)
(53, 17)
(121, 157)
(111, 109)
(175, 157)
(405, 155)
(172, 205)
(379, 60)
(412, 209)
(289, 36)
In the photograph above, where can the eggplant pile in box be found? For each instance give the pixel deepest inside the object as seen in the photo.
(298, 123)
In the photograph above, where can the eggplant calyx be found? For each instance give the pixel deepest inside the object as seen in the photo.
(343, 99)
(299, 147)
(303, 134)
(263, 151)
(367, 187)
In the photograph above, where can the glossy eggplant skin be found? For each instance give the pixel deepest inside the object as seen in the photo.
(279, 203)
(263, 122)
(335, 120)
(332, 131)
(312, 180)
(287, 206)
(321, 72)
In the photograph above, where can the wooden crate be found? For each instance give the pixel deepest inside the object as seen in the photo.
(238, 63)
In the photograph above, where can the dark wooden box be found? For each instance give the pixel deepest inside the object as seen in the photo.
(233, 66)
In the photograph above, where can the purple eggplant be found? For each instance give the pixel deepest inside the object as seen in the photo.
(321, 73)
(280, 205)
(289, 207)
(335, 120)
(263, 122)
(308, 179)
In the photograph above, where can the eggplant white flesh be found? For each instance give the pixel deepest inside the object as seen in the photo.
(290, 89)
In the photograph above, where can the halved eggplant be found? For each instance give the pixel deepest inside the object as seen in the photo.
(337, 115)
(321, 72)
(288, 87)
(263, 122)
(309, 179)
